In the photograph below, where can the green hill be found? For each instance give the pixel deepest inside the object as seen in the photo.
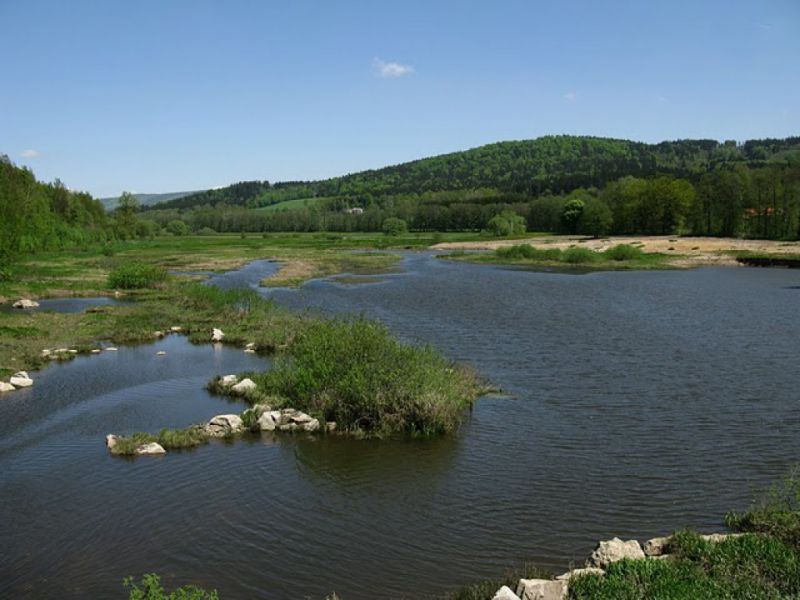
(552, 163)
(146, 199)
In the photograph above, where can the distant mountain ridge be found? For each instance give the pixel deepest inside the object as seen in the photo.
(552, 163)
(146, 199)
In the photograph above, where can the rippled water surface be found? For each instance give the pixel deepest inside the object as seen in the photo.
(637, 403)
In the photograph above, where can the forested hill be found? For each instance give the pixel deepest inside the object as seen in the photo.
(146, 199)
(556, 164)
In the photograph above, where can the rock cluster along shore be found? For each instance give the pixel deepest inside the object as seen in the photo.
(25, 303)
(18, 380)
(260, 417)
(606, 553)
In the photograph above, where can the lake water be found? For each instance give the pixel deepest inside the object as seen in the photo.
(637, 403)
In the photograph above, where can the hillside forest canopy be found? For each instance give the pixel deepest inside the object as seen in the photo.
(561, 184)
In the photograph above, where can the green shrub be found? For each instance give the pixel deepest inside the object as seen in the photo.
(526, 252)
(150, 589)
(355, 373)
(506, 223)
(394, 226)
(207, 231)
(136, 275)
(578, 255)
(623, 252)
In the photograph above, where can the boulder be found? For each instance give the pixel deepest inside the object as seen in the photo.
(223, 425)
(46, 352)
(217, 335)
(20, 379)
(228, 380)
(330, 426)
(311, 426)
(244, 386)
(72, 351)
(300, 418)
(610, 551)
(96, 351)
(249, 351)
(269, 420)
(175, 329)
(111, 441)
(158, 334)
(25, 303)
(656, 546)
(111, 349)
(505, 593)
(541, 589)
(160, 353)
(580, 572)
(150, 449)
(6, 387)
(250, 345)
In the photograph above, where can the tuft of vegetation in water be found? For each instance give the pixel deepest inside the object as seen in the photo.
(776, 515)
(170, 439)
(136, 275)
(150, 588)
(485, 589)
(355, 373)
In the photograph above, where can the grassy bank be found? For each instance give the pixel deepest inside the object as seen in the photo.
(620, 257)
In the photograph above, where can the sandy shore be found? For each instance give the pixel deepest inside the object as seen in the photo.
(688, 251)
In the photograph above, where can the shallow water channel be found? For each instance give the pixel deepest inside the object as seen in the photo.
(638, 402)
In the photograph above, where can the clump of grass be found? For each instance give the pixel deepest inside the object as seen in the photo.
(777, 514)
(150, 588)
(355, 373)
(527, 252)
(482, 590)
(136, 275)
(575, 256)
(623, 252)
(170, 439)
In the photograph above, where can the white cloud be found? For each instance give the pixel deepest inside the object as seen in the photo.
(29, 153)
(571, 96)
(391, 70)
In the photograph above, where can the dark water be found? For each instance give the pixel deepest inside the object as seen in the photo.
(639, 403)
(66, 305)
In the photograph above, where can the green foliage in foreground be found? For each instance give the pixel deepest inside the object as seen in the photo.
(356, 373)
(150, 588)
(170, 439)
(752, 566)
(136, 275)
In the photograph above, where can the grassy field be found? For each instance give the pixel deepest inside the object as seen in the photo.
(292, 204)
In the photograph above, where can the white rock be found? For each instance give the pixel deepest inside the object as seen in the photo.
(96, 351)
(151, 448)
(111, 441)
(158, 334)
(228, 380)
(712, 537)
(111, 349)
(505, 593)
(72, 351)
(300, 418)
(610, 551)
(160, 353)
(312, 425)
(656, 546)
(6, 387)
(249, 351)
(25, 303)
(269, 420)
(245, 385)
(541, 589)
(217, 335)
(62, 351)
(46, 352)
(330, 426)
(20, 380)
(175, 329)
(250, 345)
(580, 572)
(224, 424)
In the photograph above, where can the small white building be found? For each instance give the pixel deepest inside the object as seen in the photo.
(356, 210)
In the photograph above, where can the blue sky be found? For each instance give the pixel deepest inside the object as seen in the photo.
(158, 96)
